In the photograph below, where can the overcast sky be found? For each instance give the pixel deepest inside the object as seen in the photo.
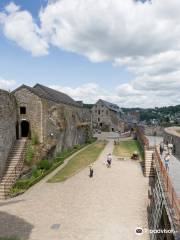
(124, 51)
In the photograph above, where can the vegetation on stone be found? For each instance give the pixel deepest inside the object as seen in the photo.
(29, 155)
(79, 162)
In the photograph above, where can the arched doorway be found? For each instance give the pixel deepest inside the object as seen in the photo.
(17, 130)
(25, 129)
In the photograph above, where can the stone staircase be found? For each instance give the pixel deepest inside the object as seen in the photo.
(14, 167)
(149, 165)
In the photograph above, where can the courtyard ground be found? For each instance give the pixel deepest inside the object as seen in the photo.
(107, 207)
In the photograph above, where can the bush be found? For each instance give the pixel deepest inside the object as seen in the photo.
(22, 183)
(44, 165)
(59, 159)
(29, 155)
(37, 172)
(35, 139)
(77, 146)
(91, 140)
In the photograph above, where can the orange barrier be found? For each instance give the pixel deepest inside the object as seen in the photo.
(173, 199)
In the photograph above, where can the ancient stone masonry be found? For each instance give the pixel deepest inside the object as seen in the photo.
(172, 135)
(8, 123)
(51, 115)
(107, 116)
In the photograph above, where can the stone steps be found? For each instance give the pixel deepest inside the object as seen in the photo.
(16, 157)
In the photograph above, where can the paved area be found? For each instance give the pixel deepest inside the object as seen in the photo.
(154, 140)
(107, 207)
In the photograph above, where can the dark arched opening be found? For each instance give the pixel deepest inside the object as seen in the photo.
(25, 129)
(17, 130)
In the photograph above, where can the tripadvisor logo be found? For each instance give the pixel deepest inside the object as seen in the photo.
(139, 231)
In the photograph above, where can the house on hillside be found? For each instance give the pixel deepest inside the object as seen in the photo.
(49, 114)
(107, 116)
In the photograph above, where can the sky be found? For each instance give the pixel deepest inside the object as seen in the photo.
(126, 52)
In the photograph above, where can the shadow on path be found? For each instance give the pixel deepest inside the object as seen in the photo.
(11, 225)
(10, 202)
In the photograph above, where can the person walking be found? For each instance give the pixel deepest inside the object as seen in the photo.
(91, 171)
(109, 160)
(166, 161)
(170, 148)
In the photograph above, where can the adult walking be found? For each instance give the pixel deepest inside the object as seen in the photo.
(91, 171)
(109, 160)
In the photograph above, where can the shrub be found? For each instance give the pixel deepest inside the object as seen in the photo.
(22, 183)
(29, 155)
(37, 172)
(35, 139)
(77, 146)
(44, 165)
(59, 159)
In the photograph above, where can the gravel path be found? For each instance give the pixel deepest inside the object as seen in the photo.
(107, 207)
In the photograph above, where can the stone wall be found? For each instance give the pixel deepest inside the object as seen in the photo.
(65, 124)
(171, 136)
(154, 131)
(33, 104)
(106, 119)
(8, 119)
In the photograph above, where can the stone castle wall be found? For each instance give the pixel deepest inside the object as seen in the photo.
(173, 138)
(8, 119)
(33, 115)
(65, 124)
(48, 120)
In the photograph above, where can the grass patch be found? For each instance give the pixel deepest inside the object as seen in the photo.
(9, 238)
(127, 148)
(42, 169)
(79, 162)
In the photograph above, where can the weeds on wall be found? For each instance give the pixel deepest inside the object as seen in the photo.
(29, 155)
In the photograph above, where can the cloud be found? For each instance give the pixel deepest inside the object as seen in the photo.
(7, 84)
(89, 92)
(134, 94)
(142, 37)
(20, 27)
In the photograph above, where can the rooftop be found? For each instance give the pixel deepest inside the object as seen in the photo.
(50, 94)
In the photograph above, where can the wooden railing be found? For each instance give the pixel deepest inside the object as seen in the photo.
(15, 172)
(171, 194)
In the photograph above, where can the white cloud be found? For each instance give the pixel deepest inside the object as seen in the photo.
(89, 92)
(142, 37)
(7, 84)
(20, 27)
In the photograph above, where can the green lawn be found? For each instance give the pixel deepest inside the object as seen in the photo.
(127, 148)
(79, 162)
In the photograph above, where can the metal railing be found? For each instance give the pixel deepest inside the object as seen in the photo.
(171, 194)
(16, 171)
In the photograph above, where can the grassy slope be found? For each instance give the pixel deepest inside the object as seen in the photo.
(79, 162)
(126, 148)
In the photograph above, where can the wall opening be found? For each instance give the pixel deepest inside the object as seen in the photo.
(22, 110)
(25, 130)
(17, 130)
